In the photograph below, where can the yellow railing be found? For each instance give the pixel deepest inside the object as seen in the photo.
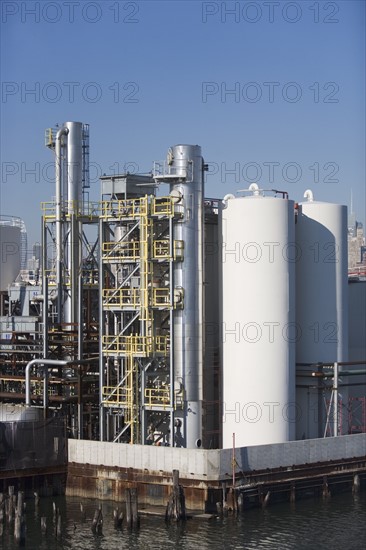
(160, 297)
(161, 249)
(138, 346)
(157, 397)
(162, 206)
(122, 250)
(87, 209)
(127, 208)
(116, 395)
(132, 298)
(122, 297)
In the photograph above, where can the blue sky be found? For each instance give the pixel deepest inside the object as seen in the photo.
(274, 92)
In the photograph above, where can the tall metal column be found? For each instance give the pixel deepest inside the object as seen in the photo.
(186, 165)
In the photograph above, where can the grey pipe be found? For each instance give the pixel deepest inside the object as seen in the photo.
(58, 174)
(49, 363)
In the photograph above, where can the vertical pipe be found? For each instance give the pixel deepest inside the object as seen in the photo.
(45, 313)
(58, 176)
(80, 355)
(45, 392)
(171, 324)
(101, 333)
(233, 461)
(187, 166)
(335, 401)
(74, 203)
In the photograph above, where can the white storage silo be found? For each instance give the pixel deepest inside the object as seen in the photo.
(321, 303)
(10, 250)
(258, 320)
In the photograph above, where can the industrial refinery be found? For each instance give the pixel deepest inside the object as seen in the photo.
(161, 317)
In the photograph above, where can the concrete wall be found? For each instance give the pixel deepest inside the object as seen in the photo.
(294, 453)
(216, 464)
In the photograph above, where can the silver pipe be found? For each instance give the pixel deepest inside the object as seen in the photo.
(171, 324)
(74, 202)
(335, 406)
(49, 363)
(58, 173)
(102, 330)
(80, 353)
(45, 314)
(187, 163)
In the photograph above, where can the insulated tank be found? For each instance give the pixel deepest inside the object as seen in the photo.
(321, 303)
(10, 250)
(258, 315)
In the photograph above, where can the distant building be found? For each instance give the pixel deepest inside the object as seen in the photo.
(356, 249)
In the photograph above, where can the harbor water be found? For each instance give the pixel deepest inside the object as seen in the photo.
(338, 522)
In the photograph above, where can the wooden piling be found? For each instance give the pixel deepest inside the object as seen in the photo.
(97, 525)
(128, 508)
(134, 508)
(292, 493)
(240, 502)
(219, 508)
(356, 484)
(82, 512)
(43, 525)
(117, 518)
(266, 499)
(20, 503)
(176, 507)
(326, 492)
(58, 525)
(19, 521)
(10, 504)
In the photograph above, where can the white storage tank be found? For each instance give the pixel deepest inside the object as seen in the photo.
(258, 319)
(10, 251)
(321, 303)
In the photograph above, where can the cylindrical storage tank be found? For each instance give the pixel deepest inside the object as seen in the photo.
(10, 250)
(321, 304)
(258, 315)
(186, 169)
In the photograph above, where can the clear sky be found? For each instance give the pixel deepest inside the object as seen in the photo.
(273, 91)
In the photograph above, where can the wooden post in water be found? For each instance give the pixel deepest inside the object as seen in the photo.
(117, 518)
(19, 523)
(225, 507)
(356, 484)
(97, 525)
(266, 499)
(134, 508)
(43, 525)
(326, 491)
(82, 512)
(292, 493)
(240, 502)
(219, 508)
(58, 525)
(176, 507)
(36, 503)
(128, 508)
(2, 513)
(10, 503)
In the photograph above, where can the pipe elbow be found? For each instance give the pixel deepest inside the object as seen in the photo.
(309, 195)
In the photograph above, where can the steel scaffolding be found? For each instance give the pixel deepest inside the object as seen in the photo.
(137, 298)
